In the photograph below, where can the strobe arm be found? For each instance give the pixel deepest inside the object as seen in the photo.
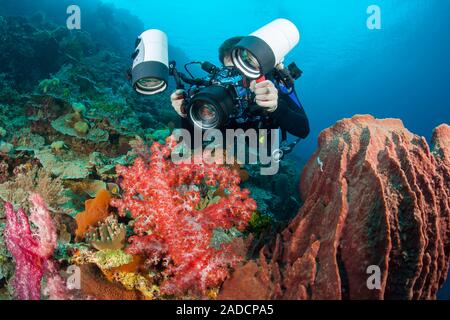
(176, 75)
(181, 78)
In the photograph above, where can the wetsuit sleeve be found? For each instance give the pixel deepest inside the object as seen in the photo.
(290, 117)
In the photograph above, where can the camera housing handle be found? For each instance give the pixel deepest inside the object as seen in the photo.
(261, 79)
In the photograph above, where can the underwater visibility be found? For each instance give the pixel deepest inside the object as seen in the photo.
(209, 150)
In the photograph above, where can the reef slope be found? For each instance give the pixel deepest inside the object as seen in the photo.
(375, 198)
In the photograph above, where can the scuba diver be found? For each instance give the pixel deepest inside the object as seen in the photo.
(252, 94)
(282, 108)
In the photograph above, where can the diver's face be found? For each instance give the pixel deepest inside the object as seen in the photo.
(227, 61)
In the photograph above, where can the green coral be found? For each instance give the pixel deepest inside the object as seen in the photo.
(6, 148)
(81, 127)
(108, 259)
(209, 199)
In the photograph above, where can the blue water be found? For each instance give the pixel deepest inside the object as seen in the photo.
(400, 71)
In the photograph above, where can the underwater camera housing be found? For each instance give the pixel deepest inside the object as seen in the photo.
(215, 99)
(224, 93)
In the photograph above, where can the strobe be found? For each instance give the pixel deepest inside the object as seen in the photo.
(260, 52)
(150, 70)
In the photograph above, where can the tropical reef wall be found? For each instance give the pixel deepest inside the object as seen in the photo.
(374, 195)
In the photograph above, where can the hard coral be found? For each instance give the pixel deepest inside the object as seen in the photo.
(162, 197)
(31, 180)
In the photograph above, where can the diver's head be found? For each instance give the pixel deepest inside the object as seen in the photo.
(225, 50)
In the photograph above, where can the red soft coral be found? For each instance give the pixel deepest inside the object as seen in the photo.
(32, 251)
(162, 197)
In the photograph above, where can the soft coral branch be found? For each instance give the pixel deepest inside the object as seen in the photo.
(162, 196)
(32, 251)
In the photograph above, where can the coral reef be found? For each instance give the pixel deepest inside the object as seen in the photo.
(95, 286)
(142, 227)
(377, 197)
(64, 129)
(163, 198)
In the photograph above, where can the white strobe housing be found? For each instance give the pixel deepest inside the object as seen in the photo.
(150, 70)
(261, 51)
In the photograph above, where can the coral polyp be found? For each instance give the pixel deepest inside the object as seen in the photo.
(107, 191)
(108, 235)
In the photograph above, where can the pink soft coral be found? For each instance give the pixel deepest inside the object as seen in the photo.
(32, 251)
(162, 197)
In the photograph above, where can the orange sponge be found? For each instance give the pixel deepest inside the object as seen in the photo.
(96, 210)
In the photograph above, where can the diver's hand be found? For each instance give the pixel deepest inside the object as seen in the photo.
(177, 99)
(266, 95)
